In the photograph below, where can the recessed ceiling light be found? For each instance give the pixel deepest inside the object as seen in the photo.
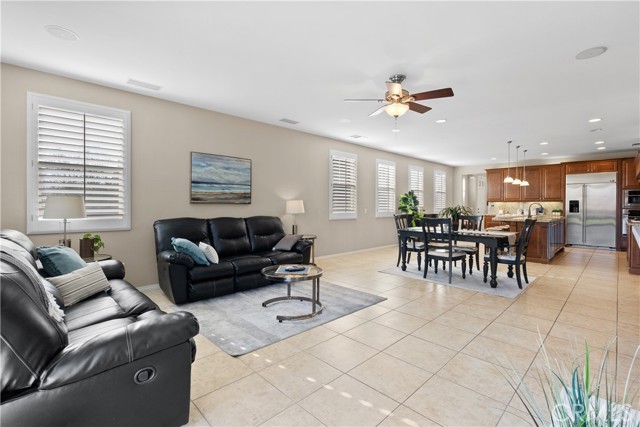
(344, 121)
(544, 143)
(61, 33)
(591, 52)
(595, 120)
(602, 148)
(544, 154)
(599, 142)
(395, 130)
(493, 158)
(596, 130)
(441, 121)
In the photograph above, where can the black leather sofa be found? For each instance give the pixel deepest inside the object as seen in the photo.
(244, 245)
(115, 359)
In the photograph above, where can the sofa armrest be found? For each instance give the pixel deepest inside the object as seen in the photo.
(112, 268)
(303, 247)
(118, 347)
(173, 257)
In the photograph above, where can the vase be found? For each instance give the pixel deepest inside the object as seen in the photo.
(86, 248)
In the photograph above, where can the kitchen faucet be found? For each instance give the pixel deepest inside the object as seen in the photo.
(529, 210)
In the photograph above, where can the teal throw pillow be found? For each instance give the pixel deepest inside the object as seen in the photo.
(188, 247)
(59, 260)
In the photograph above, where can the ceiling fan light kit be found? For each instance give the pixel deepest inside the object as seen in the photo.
(400, 100)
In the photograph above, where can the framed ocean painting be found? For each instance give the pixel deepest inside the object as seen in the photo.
(220, 179)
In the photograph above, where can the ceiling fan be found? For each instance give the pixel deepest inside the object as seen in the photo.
(399, 101)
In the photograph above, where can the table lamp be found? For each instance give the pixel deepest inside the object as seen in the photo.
(294, 207)
(64, 207)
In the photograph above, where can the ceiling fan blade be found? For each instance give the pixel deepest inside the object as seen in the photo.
(418, 108)
(378, 111)
(363, 100)
(432, 94)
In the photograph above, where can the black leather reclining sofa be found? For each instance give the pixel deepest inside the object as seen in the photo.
(115, 359)
(244, 245)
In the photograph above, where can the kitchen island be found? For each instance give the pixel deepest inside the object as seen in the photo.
(547, 237)
(633, 248)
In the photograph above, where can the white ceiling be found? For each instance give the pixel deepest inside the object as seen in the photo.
(511, 65)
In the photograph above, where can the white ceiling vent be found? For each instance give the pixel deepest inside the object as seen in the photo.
(289, 121)
(145, 85)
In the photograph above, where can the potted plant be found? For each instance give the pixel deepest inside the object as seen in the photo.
(410, 204)
(454, 212)
(90, 245)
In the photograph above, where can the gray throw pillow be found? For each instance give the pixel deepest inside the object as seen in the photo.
(81, 283)
(287, 242)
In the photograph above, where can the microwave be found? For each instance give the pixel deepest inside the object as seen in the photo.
(631, 199)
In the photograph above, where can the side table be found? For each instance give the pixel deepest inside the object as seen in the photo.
(276, 273)
(311, 238)
(98, 257)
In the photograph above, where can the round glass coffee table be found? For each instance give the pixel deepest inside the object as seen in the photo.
(280, 274)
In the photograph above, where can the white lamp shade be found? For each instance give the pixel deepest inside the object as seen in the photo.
(508, 180)
(396, 109)
(295, 207)
(64, 207)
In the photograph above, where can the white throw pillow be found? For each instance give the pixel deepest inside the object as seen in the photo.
(81, 283)
(209, 252)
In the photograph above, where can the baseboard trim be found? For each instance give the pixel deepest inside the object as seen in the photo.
(354, 252)
(148, 288)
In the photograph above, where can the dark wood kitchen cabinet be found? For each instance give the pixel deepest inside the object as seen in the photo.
(547, 239)
(592, 166)
(546, 183)
(533, 192)
(494, 185)
(553, 183)
(629, 179)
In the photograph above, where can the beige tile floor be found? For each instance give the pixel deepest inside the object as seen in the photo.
(429, 354)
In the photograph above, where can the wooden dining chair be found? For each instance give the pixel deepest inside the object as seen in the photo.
(474, 223)
(517, 259)
(439, 246)
(413, 245)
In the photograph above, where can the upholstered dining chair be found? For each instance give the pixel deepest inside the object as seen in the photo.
(474, 223)
(439, 246)
(517, 259)
(413, 245)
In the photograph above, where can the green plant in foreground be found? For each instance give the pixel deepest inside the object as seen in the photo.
(578, 396)
(97, 241)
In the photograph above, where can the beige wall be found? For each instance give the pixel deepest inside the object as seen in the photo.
(286, 164)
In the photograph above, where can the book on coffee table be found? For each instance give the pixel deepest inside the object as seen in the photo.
(292, 269)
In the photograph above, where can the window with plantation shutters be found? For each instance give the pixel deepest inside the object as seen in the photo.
(385, 188)
(343, 185)
(78, 149)
(440, 191)
(416, 183)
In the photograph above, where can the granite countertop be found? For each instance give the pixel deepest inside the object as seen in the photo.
(521, 218)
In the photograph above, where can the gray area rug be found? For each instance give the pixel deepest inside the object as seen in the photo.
(239, 324)
(507, 287)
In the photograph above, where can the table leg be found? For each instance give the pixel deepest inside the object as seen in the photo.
(493, 261)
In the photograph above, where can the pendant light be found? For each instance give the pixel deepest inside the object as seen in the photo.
(508, 179)
(517, 181)
(524, 182)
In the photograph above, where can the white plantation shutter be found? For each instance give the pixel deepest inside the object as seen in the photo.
(416, 183)
(78, 149)
(385, 188)
(440, 191)
(343, 185)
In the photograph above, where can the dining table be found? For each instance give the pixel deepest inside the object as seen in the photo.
(493, 240)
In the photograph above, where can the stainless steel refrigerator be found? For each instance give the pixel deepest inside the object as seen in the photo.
(591, 209)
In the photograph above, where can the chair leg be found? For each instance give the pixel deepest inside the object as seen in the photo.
(408, 257)
(419, 260)
(450, 272)
(478, 259)
(510, 271)
(399, 256)
(426, 266)
(518, 276)
(524, 270)
(470, 264)
(485, 271)
(464, 267)
(435, 269)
